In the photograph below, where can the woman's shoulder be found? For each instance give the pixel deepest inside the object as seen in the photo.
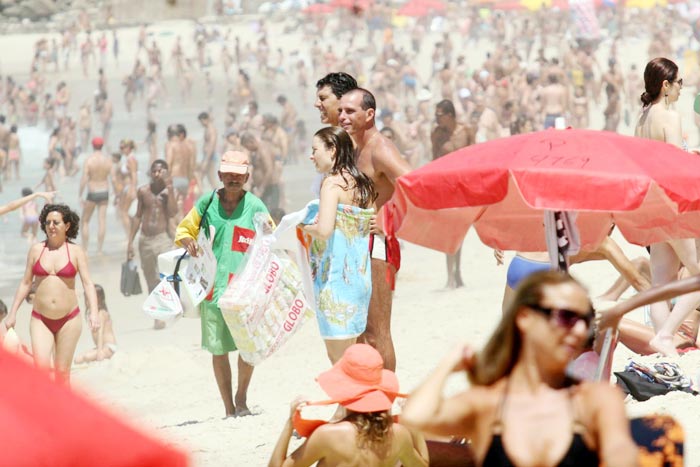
(330, 432)
(591, 393)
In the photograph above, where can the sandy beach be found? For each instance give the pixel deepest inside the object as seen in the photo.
(163, 382)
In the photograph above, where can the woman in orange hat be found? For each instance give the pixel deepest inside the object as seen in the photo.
(522, 408)
(368, 435)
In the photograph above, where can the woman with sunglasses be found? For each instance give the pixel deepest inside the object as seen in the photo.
(660, 121)
(522, 408)
(52, 265)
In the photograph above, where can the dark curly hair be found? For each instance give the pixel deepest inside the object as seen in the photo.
(69, 217)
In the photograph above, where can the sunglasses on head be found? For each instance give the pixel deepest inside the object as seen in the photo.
(565, 318)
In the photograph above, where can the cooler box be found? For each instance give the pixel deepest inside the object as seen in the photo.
(166, 267)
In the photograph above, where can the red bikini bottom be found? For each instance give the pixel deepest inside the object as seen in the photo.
(55, 325)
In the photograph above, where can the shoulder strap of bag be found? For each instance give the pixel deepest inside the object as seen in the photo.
(176, 273)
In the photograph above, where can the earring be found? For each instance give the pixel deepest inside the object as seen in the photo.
(666, 99)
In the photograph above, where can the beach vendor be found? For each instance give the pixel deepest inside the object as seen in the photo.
(368, 436)
(230, 210)
(340, 260)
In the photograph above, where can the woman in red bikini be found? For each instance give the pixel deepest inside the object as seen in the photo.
(53, 264)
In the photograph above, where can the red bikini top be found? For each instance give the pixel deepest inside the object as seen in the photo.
(66, 271)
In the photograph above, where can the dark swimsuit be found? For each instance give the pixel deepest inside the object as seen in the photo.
(578, 454)
(68, 271)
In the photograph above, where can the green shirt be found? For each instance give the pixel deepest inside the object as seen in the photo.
(234, 234)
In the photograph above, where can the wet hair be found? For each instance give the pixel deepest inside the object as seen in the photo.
(340, 83)
(160, 162)
(502, 350)
(656, 72)
(447, 107)
(281, 99)
(171, 131)
(373, 430)
(344, 164)
(203, 116)
(69, 217)
(26, 191)
(180, 130)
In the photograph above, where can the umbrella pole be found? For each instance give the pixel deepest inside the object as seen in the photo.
(605, 355)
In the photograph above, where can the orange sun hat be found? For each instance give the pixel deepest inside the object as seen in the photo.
(359, 382)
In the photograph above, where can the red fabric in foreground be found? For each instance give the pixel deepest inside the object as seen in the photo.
(45, 423)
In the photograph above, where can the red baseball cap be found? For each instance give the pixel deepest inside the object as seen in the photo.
(97, 142)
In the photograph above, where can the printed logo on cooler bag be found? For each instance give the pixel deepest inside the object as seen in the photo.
(242, 239)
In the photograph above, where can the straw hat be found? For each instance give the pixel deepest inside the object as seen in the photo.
(359, 382)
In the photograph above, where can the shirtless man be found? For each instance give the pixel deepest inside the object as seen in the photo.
(104, 107)
(555, 100)
(277, 137)
(96, 171)
(181, 157)
(209, 163)
(329, 90)
(156, 205)
(448, 136)
(265, 177)
(488, 126)
(378, 158)
(288, 122)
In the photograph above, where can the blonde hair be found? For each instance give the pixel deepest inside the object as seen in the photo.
(373, 430)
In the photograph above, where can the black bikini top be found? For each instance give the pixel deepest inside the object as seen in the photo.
(578, 454)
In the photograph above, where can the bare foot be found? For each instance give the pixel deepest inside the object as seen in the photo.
(664, 345)
(158, 324)
(242, 408)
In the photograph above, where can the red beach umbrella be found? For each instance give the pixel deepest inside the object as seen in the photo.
(421, 7)
(354, 5)
(318, 8)
(648, 189)
(45, 423)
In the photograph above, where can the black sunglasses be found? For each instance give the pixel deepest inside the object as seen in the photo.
(565, 318)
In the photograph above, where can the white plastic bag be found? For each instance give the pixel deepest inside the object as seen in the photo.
(265, 303)
(163, 303)
(200, 271)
